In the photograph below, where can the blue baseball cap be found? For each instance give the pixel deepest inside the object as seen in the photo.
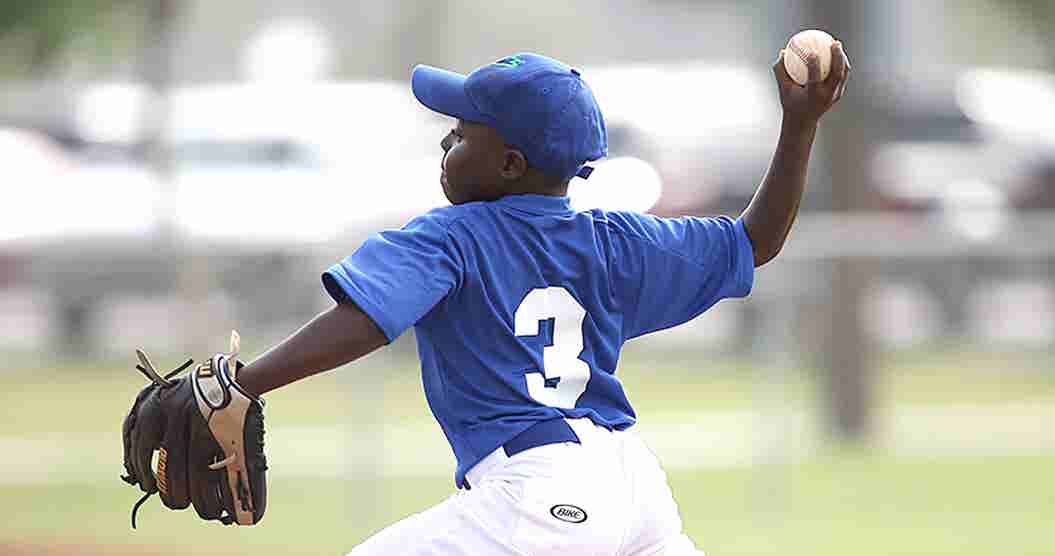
(537, 104)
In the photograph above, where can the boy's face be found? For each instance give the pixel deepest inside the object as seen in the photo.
(476, 164)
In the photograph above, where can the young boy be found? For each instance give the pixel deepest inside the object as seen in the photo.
(521, 305)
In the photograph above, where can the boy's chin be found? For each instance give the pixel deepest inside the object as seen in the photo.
(453, 197)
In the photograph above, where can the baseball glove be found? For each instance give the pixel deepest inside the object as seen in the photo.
(209, 435)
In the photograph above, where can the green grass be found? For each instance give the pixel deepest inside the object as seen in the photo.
(840, 503)
(388, 389)
(967, 377)
(843, 503)
(851, 503)
(872, 505)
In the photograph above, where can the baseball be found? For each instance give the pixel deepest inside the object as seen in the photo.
(800, 46)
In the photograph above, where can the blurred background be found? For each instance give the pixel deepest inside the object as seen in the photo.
(173, 169)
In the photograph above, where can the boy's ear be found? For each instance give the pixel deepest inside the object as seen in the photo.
(514, 165)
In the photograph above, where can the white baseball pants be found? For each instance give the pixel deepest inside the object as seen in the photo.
(607, 496)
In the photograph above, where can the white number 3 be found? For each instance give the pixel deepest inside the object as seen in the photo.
(564, 376)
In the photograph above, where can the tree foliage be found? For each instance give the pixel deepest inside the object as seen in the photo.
(44, 27)
(1041, 15)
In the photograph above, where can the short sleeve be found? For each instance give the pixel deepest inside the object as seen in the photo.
(396, 277)
(670, 270)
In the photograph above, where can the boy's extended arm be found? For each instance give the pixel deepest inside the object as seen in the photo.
(769, 216)
(335, 337)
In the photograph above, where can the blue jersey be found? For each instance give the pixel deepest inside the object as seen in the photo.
(521, 305)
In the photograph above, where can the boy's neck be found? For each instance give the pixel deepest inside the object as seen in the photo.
(537, 183)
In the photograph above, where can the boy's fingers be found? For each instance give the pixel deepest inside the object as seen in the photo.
(842, 89)
(844, 61)
(813, 68)
(846, 66)
(839, 63)
(779, 70)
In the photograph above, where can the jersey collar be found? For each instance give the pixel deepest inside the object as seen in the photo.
(538, 204)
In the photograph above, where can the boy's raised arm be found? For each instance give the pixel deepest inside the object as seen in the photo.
(769, 216)
(335, 337)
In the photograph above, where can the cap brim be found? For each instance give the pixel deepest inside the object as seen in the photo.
(444, 92)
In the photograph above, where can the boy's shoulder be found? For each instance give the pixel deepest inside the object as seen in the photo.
(628, 222)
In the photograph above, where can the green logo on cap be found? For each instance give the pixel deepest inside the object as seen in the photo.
(510, 62)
